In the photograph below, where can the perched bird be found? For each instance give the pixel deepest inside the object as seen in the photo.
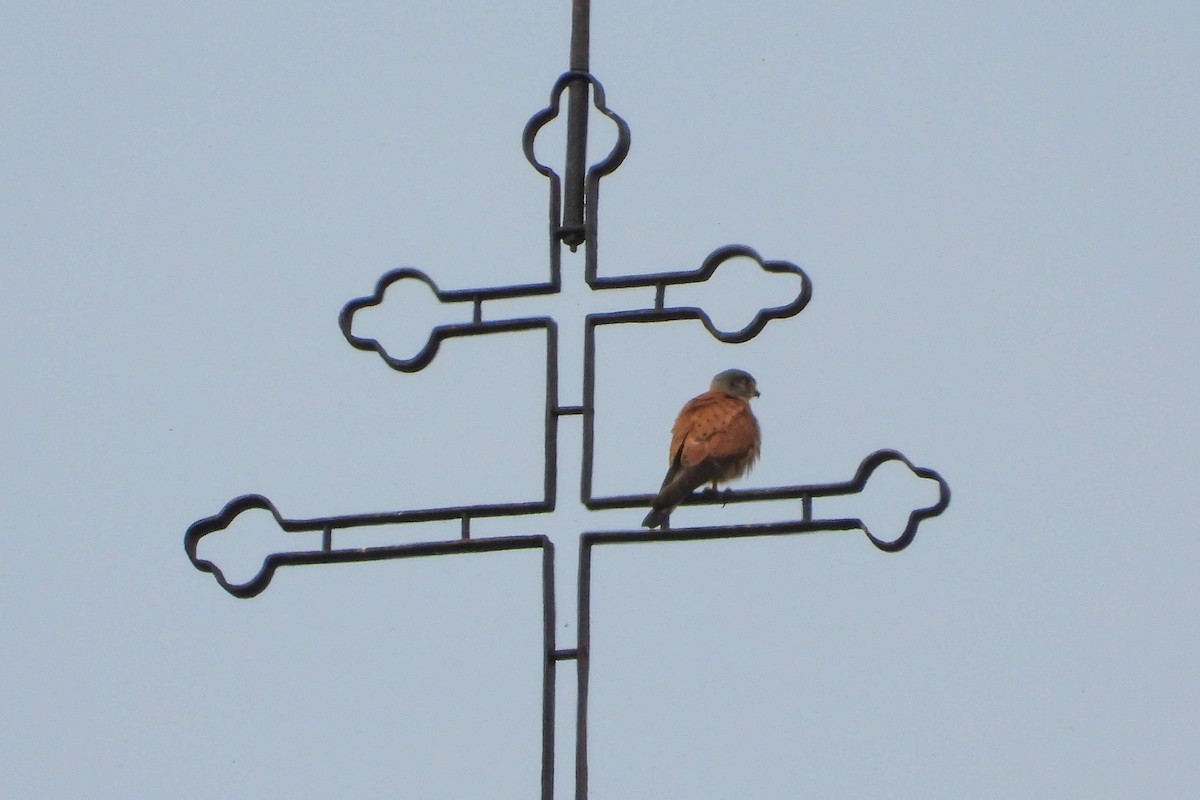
(715, 439)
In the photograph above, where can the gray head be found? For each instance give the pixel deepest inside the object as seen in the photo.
(735, 383)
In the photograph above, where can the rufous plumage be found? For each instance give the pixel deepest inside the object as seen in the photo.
(715, 439)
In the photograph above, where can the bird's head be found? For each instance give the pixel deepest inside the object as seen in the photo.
(735, 383)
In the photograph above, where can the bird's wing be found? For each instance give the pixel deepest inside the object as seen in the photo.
(738, 437)
(712, 426)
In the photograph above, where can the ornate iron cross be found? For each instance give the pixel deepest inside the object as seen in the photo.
(573, 213)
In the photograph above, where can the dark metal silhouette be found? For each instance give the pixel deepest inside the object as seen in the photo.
(573, 221)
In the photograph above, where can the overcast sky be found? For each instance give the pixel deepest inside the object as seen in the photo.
(999, 210)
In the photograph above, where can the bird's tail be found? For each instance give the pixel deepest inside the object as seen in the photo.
(656, 517)
(674, 490)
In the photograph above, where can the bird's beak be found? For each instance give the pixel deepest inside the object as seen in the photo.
(757, 393)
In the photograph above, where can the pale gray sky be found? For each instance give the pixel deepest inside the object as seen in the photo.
(1000, 213)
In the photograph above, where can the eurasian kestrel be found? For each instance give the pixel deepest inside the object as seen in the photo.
(715, 439)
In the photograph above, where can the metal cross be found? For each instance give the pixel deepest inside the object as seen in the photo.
(574, 204)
